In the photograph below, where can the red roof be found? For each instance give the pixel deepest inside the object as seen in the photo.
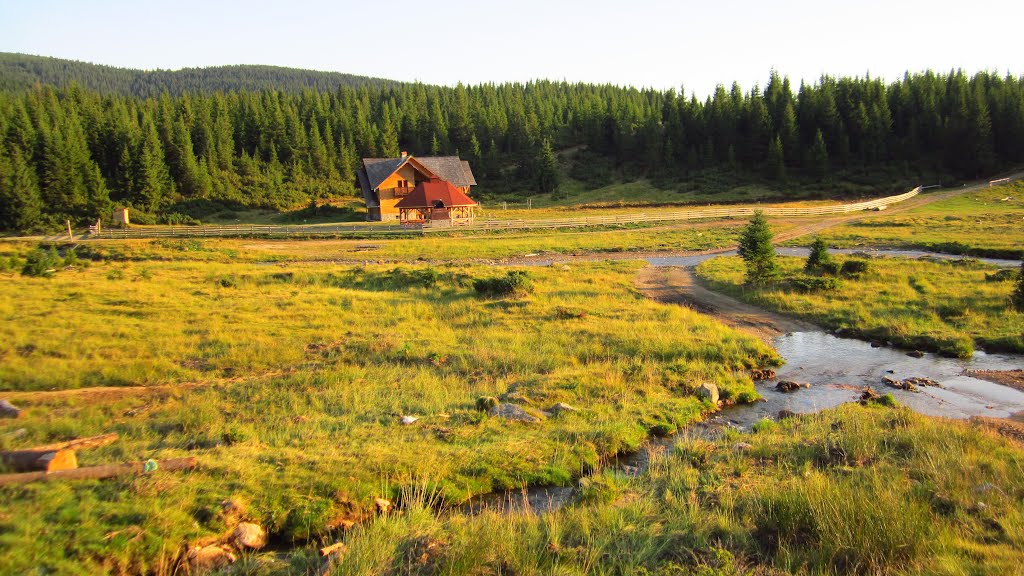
(428, 194)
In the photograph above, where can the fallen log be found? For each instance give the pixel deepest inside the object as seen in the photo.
(81, 443)
(8, 410)
(100, 472)
(42, 460)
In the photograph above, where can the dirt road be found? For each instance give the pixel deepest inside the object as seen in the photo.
(673, 285)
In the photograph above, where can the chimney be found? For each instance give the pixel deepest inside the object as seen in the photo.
(404, 153)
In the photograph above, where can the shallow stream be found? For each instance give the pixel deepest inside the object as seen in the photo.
(837, 369)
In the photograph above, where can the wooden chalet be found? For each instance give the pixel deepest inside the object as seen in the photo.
(437, 202)
(386, 181)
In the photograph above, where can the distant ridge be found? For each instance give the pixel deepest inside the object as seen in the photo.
(22, 71)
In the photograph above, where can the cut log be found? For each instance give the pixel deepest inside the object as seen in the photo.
(81, 443)
(99, 472)
(8, 410)
(43, 460)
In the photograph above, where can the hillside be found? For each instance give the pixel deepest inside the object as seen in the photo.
(20, 71)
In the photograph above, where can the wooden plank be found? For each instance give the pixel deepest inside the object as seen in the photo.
(81, 443)
(98, 472)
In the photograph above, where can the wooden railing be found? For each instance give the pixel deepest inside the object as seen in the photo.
(355, 229)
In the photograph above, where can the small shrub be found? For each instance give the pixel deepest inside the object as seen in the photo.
(829, 268)
(145, 274)
(115, 274)
(808, 285)
(485, 403)
(852, 268)
(515, 282)
(1017, 298)
(1004, 275)
(41, 263)
(228, 282)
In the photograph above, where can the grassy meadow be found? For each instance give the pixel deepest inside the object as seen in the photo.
(854, 490)
(297, 378)
(987, 222)
(949, 307)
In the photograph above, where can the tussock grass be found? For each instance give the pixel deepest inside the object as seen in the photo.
(854, 490)
(942, 306)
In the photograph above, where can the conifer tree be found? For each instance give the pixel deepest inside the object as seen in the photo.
(21, 206)
(758, 252)
(819, 258)
(1017, 298)
(547, 175)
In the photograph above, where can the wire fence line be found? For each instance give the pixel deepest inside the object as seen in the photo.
(358, 229)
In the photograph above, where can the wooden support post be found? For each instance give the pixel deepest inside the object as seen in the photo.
(71, 236)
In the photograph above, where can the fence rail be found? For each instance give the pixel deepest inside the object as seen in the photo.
(420, 229)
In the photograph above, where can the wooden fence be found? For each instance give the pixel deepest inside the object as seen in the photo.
(310, 230)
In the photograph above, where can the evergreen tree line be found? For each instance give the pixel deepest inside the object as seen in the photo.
(22, 71)
(73, 153)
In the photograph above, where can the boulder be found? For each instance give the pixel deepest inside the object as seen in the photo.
(708, 392)
(915, 354)
(785, 414)
(8, 410)
(203, 559)
(790, 386)
(868, 395)
(512, 412)
(762, 374)
(249, 535)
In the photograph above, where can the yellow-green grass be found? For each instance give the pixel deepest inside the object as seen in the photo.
(944, 306)
(851, 491)
(456, 246)
(854, 490)
(309, 368)
(988, 222)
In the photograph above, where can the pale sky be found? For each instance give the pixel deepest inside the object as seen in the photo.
(652, 43)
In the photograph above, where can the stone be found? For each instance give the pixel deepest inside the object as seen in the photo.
(407, 420)
(334, 551)
(762, 374)
(383, 506)
(915, 354)
(249, 535)
(512, 412)
(203, 559)
(517, 397)
(869, 395)
(790, 386)
(741, 447)
(785, 414)
(8, 410)
(562, 407)
(708, 392)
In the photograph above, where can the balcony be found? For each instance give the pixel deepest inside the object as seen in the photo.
(401, 191)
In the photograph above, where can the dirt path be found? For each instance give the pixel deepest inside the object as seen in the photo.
(673, 285)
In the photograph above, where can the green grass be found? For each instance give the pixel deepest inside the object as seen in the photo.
(853, 490)
(943, 306)
(309, 367)
(981, 223)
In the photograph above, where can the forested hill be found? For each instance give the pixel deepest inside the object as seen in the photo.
(20, 71)
(73, 152)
